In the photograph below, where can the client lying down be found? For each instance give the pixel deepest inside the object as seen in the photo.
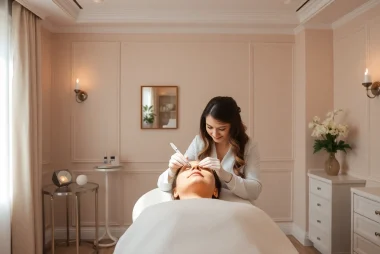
(197, 222)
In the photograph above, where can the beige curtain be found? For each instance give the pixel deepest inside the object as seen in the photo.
(5, 202)
(26, 134)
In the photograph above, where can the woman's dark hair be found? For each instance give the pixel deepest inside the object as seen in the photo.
(226, 110)
(218, 184)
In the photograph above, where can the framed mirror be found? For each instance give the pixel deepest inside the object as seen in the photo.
(159, 107)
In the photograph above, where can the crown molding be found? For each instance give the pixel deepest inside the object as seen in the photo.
(69, 7)
(48, 26)
(181, 17)
(160, 29)
(312, 8)
(28, 4)
(355, 13)
(301, 28)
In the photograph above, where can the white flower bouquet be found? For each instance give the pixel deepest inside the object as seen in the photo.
(328, 132)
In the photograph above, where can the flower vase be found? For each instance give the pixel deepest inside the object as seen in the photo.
(332, 165)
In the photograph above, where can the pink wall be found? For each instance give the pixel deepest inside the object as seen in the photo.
(357, 46)
(313, 96)
(46, 81)
(280, 82)
(257, 70)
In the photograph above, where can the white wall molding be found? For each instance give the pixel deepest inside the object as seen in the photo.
(352, 15)
(276, 170)
(286, 227)
(312, 8)
(301, 235)
(176, 29)
(303, 27)
(283, 170)
(48, 25)
(251, 88)
(69, 7)
(186, 17)
(124, 171)
(73, 124)
(88, 233)
(45, 162)
(35, 8)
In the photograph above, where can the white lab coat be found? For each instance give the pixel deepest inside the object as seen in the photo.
(248, 188)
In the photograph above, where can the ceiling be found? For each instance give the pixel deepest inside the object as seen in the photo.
(240, 16)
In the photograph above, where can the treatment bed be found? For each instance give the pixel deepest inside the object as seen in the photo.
(229, 225)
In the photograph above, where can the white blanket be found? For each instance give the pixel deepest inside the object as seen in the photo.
(203, 226)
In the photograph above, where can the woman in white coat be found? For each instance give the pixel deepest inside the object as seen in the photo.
(223, 146)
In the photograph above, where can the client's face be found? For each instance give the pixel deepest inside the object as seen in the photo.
(193, 182)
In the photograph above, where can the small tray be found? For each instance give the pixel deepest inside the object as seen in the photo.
(108, 167)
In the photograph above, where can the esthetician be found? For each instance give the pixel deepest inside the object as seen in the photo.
(223, 146)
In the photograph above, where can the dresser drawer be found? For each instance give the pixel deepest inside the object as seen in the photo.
(320, 239)
(320, 220)
(367, 228)
(367, 208)
(320, 188)
(319, 204)
(363, 246)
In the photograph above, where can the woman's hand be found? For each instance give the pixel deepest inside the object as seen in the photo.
(176, 162)
(214, 164)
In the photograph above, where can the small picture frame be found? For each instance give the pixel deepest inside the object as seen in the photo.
(159, 107)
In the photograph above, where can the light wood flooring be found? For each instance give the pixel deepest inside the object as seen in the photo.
(86, 248)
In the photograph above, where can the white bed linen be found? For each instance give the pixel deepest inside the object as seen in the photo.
(156, 196)
(203, 226)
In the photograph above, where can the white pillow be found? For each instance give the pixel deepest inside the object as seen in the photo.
(156, 196)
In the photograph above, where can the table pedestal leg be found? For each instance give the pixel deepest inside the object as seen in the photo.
(52, 225)
(77, 222)
(96, 241)
(107, 231)
(67, 221)
(43, 224)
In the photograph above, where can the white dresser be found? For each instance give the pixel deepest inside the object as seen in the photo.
(365, 235)
(330, 211)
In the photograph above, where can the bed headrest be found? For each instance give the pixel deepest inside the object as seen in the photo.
(156, 196)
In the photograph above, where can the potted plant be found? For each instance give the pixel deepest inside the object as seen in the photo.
(327, 134)
(148, 115)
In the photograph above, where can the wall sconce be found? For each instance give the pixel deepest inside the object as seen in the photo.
(81, 95)
(374, 87)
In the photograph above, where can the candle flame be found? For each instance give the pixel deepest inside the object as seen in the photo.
(63, 179)
(366, 71)
(77, 80)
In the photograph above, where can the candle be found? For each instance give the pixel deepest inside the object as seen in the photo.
(367, 77)
(77, 85)
(63, 179)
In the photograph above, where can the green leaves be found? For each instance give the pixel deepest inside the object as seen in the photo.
(148, 114)
(330, 144)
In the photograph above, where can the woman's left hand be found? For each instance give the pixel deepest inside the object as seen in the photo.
(214, 164)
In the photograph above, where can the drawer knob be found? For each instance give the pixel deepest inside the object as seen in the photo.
(377, 234)
(318, 238)
(377, 212)
(318, 204)
(318, 221)
(318, 188)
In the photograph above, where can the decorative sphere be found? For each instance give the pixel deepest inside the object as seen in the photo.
(81, 179)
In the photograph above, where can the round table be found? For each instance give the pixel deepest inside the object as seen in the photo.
(106, 169)
(66, 191)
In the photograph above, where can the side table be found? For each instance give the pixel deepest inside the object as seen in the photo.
(66, 191)
(106, 168)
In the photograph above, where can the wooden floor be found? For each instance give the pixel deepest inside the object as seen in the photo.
(302, 249)
(86, 248)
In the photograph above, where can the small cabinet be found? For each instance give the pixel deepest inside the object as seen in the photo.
(329, 211)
